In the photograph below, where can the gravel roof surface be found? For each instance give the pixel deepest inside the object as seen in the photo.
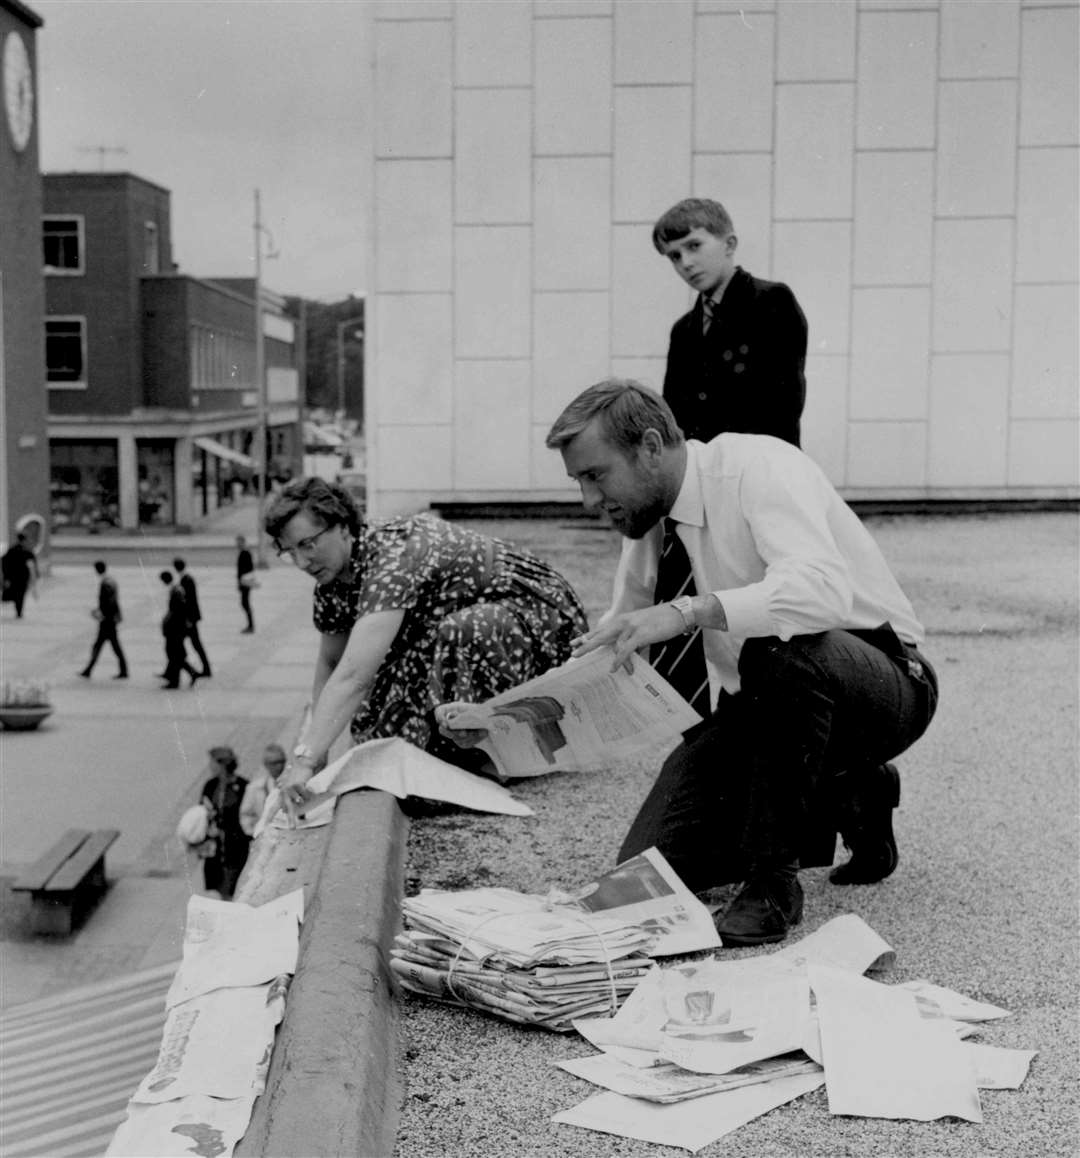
(985, 899)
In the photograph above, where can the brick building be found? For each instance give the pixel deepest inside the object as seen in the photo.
(153, 400)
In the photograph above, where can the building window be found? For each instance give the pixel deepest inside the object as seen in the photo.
(151, 262)
(62, 240)
(65, 353)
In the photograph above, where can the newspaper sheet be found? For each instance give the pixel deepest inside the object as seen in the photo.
(846, 942)
(196, 1124)
(883, 1059)
(218, 1043)
(719, 1018)
(400, 768)
(670, 1083)
(689, 1125)
(646, 891)
(579, 716)
(953, 1004)
(997, 1068)
(231, 944)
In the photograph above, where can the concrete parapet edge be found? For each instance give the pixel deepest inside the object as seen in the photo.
(334, 1087)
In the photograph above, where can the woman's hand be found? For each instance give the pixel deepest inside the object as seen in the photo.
(463, 737)
(631, 631)
(294, 790)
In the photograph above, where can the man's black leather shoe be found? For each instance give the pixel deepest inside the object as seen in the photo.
(767, 907)
(866, 829)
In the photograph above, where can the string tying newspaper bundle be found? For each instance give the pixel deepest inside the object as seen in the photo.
(518, 956)
(606, 958)
(546, 960)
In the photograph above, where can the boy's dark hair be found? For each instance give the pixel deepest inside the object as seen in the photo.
(99, 566)
(179, 564)
(326, 501)
(165, 577)
(626, 410)
(692, 213)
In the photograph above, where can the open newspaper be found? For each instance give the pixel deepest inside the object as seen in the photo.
(581, 715)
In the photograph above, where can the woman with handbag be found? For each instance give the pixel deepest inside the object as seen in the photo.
(224, 852)
(412, 612)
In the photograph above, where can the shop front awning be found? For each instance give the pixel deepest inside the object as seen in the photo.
(70, 1063)
(220, 450)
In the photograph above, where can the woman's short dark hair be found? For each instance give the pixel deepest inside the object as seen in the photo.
(626, 409)
(331, 504)
(686, 216)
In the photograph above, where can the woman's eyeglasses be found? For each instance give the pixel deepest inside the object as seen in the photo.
(304, 547)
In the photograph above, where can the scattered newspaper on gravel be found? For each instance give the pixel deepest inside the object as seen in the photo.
(702, 1047)
(579, 716)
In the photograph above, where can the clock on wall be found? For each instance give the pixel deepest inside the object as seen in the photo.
(18, 90)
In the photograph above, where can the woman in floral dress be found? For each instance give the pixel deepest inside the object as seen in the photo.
(412, 612)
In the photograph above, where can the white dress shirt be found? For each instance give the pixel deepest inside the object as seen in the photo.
(770, 537)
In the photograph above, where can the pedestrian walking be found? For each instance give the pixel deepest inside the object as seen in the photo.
(20, 572)
(107, 614)
(174, 629)
(194, 614)
(224, 858)
(245, 580)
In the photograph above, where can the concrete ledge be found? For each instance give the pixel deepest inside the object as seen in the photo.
(334, 1086)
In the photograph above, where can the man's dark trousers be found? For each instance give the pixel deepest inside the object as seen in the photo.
(107, 634)
(762, 781)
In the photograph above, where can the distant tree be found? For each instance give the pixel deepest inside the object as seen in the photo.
(321, 321)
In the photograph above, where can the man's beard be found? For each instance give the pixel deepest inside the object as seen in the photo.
(637, 523)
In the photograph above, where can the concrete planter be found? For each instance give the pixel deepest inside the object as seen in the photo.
(23, 717)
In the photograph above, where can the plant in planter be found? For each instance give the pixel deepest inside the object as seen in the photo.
(24, 704)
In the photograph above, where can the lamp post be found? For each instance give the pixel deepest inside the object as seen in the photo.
(261, 402)
(341, 328)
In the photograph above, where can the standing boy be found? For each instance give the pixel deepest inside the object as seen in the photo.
(107, 614)
(736, 361)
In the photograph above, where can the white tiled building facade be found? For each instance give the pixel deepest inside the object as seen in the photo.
(908, 167)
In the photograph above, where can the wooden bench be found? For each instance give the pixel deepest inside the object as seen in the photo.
(68, 880)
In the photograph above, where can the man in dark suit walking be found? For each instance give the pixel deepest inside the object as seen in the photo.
(194, 614)
(107, 614)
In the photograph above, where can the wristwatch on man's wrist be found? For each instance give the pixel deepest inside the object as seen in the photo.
(303, 754)
(686, 609)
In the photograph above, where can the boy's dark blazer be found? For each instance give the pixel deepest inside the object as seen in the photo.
(748, 373)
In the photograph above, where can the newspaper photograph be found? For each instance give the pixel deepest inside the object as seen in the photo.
(197, 1124)
(646, 891)
(577, 717)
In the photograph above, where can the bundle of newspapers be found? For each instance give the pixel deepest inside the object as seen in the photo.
(546, 960)
(514, 956)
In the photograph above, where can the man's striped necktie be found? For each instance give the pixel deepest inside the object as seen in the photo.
(681, 660)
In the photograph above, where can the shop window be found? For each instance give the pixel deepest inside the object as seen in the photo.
(62, 240)
(65, 352)
(84, 483)
(157, 496)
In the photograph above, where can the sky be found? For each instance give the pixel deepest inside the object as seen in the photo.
(215, 99)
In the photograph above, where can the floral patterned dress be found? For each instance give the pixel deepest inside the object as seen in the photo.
(481, 616)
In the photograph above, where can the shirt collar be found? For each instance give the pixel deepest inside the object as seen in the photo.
(689, 505)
